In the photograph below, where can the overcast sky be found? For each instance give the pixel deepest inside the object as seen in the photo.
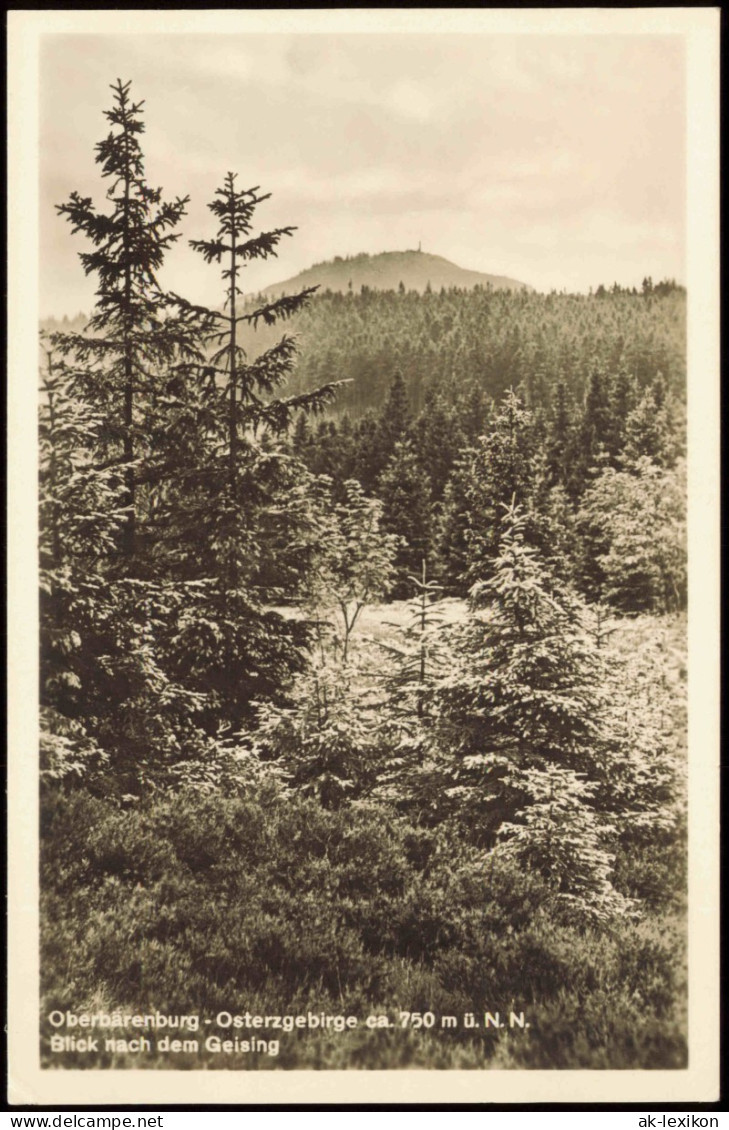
(556, 160)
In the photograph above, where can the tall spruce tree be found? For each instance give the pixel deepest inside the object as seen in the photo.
(174, 640)
(135, 334)
(243, 413)
(249, 386)
(106, 619)
(226, 517)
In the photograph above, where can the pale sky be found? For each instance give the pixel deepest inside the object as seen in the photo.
(556, 160)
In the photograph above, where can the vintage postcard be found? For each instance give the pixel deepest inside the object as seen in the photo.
(364, 433)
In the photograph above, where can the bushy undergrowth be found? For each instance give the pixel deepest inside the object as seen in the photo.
(269, 903)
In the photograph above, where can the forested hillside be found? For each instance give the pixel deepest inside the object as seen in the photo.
(362, 661)
(550, 399)
(391, 270)
(457, 342)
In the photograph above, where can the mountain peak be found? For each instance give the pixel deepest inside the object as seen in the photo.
(389, 270)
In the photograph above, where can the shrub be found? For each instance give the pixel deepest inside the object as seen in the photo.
(271, 902)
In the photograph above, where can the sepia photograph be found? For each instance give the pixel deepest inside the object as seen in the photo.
(364, 457)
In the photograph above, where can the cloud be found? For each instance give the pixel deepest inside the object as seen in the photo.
(499, 149)
(411, 100)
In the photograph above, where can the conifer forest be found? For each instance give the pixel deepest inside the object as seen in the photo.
(363, 676)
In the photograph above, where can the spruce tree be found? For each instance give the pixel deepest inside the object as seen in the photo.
(559, 835)
(135, 334)
(622, 398)
(113, 712)
(241, 416)
(454, 525)
(525, 736)
(182, 642)
(227, 517)
(417, 655)
(80, 522)
(250, 385)
(367, 464)
(104, 407)
(648, 431)
(594, 430)
(631, 530)
(395, 420)
(327, 739)
(438, 440)
(418, 651)
(404, 489)
(559, 438)
(506, 468)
